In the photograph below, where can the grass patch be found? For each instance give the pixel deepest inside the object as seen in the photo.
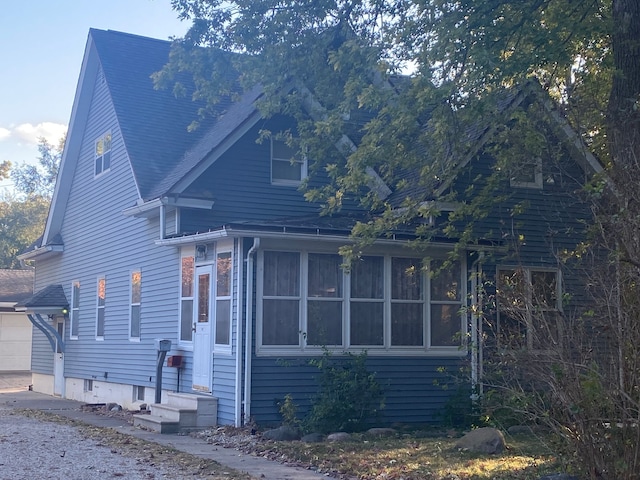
(409, 457)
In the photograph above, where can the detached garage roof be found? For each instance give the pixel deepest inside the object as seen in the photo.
(15, 286)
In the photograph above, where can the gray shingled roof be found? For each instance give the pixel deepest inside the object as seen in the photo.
(50, 297)
(15, 285)
(154, 123)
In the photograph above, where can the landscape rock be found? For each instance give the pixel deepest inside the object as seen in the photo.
(313, 438)
(339, 437)
(282, 434)
(382, 432)
(113, 407)
(484, 440)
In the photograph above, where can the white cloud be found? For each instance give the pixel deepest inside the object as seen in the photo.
(4, 133)
(29, 133)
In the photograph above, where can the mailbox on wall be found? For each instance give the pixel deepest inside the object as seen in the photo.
(174, 361)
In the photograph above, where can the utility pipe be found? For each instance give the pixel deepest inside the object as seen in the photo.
(249, 333)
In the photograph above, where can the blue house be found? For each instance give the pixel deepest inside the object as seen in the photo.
(203, 238)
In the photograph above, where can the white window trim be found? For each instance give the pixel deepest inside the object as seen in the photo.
(189, 251)
(223, 348)
(285, 182)
(536, 184)
(132, 304)
(528, 285)
(103, 307)
(74, 312)
(378, 350)
(95, 155)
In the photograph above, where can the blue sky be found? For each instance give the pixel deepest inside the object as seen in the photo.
(41, 47)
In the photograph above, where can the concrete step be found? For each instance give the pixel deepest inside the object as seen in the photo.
(156, 424)
(185, 416)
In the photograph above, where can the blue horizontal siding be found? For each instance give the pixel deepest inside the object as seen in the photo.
(416, 389)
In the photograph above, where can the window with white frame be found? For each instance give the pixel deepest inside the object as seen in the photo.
(187, 272)
(74, 317)
(223, 300)
(287, 168)
(103, 154)
(307, 301)
(134, 308)
(324, 299)
(138, 393)
(527, 174)
(528, 307)
(101, 296)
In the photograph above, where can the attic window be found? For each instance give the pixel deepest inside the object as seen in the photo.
(103, 154)
(527, 175)
(286, 167)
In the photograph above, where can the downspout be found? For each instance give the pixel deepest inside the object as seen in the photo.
(239, 317)
(163, 211)
(476, 315)
(248, 334)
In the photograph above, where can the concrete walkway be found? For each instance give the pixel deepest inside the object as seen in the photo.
(14, 393)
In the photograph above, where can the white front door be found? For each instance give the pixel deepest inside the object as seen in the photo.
(58, 363)
(202, 337)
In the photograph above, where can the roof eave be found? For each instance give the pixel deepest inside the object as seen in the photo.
(45, 251)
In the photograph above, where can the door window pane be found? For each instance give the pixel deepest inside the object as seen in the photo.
(203, 298)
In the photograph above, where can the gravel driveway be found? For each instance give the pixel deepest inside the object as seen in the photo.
(33, 449)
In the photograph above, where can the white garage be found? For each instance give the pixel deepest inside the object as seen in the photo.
(15, 328)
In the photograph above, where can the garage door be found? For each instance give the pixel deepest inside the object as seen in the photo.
(15, 342)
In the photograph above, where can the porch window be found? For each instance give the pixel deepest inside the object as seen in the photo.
(101, 297)
(103, 154)
(223, 299)
(446, 304)
(384, 303)
(187, 266)
(325, 300)
(74, 317)
(134, 311)
(528, 308)
(407, 302)
(367, 302)
(281, 299)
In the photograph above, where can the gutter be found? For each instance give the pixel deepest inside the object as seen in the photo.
(37, 252)
(248, 334)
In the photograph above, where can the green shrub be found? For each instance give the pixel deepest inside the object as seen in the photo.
(349, 396)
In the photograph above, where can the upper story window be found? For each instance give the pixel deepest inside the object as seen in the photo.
(103, 154)
(286, 166)
(385, 303)
(527, 174)
(528, 308)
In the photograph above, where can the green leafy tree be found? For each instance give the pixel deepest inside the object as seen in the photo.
(21, 223)
(24, 213)
(325, 62)
(39, 179)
